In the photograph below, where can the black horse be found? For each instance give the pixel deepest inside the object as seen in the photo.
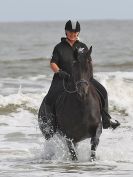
(77, 109)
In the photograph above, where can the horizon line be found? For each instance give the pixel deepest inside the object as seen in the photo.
(59, 20)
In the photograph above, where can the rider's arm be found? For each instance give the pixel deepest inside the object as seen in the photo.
(54, 67)
(61, 74)
(55, 60)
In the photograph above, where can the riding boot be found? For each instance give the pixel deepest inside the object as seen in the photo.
(106, 118)
(46, 120)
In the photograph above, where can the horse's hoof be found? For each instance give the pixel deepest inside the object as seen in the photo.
(93, 156)
(74, 158)
(93, 159)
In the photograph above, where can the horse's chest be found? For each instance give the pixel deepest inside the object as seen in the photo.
(72, 111)
(74, 117)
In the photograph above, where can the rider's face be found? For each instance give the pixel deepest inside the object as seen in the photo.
(72, 36)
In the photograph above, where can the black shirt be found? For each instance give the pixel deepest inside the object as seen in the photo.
(63, 54)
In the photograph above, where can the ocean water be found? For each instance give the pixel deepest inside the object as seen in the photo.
(25, 77)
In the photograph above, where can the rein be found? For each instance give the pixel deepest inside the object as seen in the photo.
(76, 85)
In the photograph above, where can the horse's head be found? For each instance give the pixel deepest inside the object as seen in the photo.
(82, 70)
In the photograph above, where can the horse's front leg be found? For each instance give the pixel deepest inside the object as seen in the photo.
(46, 120)
(95, 142)
(71, 147)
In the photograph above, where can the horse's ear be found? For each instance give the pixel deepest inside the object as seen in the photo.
(90, 50)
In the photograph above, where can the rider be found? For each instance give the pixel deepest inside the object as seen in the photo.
(61, 64)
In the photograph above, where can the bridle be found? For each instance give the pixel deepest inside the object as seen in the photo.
(76, 85)
(82, 81)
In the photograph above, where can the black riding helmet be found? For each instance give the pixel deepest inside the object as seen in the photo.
(72, 26)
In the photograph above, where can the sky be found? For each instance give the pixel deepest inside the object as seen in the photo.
(59, 10)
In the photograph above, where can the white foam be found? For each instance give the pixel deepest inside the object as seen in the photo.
(119, 86)
(114, 145)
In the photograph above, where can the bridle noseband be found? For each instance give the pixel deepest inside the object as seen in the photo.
(76, 85)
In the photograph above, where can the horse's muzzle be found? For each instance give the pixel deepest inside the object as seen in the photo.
(82, 88)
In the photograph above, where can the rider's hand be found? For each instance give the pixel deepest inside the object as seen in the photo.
(63, 74)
